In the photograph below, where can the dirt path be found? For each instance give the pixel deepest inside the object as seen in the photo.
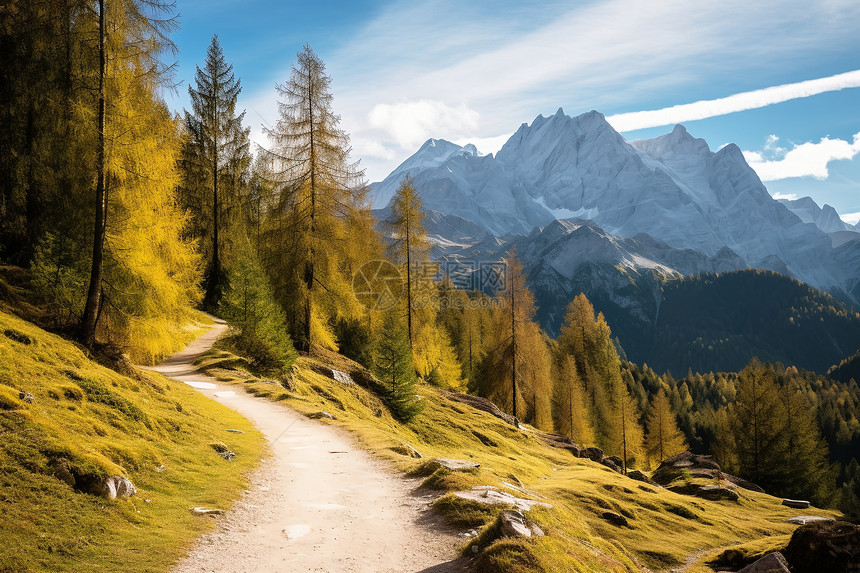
(318, 503)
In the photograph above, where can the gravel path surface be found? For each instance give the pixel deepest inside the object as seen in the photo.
(317, 503)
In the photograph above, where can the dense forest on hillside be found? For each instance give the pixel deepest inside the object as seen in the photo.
(126, 217)
(719, 322)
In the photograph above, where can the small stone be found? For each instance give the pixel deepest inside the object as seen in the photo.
(321, 415)
(235, 431)
(206, 511)
(223, 451)
(26, 397)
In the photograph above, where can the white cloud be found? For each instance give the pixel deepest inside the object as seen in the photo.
(412, 123)
(733, 103)
(851, 218)
(805, 160)
(788, 196)
(485, 145)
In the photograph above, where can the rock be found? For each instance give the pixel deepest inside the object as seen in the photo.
(231, 430)
(593, 453)
(342, 377)
(407, 450)
(716, 492)
(615, 518)
(512, 523)
(113, 487)
(796, 503)
(770, 563)
(611, 465)
(482, 404)
(223, 451)
(804, 519)
(452, 464)
(615, 460)
(206, 511)
(321, 415)
(831, 546)
(26, 397)
(561, 442)
(490, 496)
(639, 475)
(696, 466)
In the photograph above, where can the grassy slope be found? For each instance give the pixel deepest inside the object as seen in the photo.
(97, 421)
(665, 528)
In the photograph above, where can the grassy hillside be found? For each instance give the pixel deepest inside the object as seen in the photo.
(664, 529)
(81, 419)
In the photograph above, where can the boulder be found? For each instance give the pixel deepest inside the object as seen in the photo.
(321, 415)
(490, 496)
(112, 487)
(512, 523)
(696, 466)
(770, 563)
(610, 463)
(831, 546)
(451, 464)
(716, 492)
(796, 503)
(615, 518)
(593, 453)
(639, 475)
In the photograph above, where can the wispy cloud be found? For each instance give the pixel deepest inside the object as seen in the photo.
(787, 196)
(805, 160)
(738, 102)
(412, 123)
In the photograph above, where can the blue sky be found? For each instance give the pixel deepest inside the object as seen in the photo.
(474, 71)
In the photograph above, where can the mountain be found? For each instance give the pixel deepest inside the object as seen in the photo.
(588, 211)
(673, 188)
(825, 218)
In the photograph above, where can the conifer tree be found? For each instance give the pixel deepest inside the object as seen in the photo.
(755, 423)
(249, 305)
(515, 373)
(393, 366)
(410, 248)
(215, 162)
(571, 413)
(663, 439)
(317, 190)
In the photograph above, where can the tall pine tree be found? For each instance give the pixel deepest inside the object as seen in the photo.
(215, 164)
(317, 191)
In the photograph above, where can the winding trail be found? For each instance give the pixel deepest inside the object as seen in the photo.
(317, 503)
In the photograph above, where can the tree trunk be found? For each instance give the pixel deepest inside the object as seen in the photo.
(90, 317)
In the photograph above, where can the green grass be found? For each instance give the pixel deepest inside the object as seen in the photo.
(87, 419)
(665, 528)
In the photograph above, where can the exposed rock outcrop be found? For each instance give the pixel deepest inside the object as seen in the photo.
(832, 546)
(770, 563)
(696, 465)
